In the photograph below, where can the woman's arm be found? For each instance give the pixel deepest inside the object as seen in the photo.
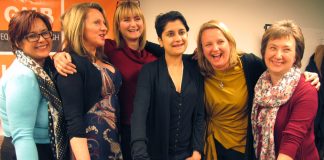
(284, 157)
(80, 148)
(138, 120)
(72, 94)
(22, 103)
(154, 48)
(199, 126)
(301, 119)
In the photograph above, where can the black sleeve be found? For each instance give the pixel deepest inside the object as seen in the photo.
(138, 120)
(199, 126)
(72, 95)
(154, 48)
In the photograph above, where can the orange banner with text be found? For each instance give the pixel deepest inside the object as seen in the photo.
(53, 9)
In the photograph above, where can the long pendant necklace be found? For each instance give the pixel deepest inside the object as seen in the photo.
(221, 85)
(220, 81)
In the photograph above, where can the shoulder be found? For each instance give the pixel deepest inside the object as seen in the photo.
(18, 71)
(249, 58)
(20, 79)
(252, 64)
(150, 66)
(82, 63)
(304, 88)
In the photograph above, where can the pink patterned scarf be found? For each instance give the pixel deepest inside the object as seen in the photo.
(267, 100)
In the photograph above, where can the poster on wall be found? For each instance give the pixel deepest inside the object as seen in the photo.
(53, 9)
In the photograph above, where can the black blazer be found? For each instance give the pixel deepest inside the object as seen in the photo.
(150, 120)
(79, 92)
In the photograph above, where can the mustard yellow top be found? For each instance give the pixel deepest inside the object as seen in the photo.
(227, 118)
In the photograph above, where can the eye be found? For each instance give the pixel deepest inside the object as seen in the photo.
(97, 22)
(170, 34)
(287, 50)
(126, 19)
(207, 44)
(272, 48)
(138, 18)
(182, 32)
(220, 41)
(32, 36)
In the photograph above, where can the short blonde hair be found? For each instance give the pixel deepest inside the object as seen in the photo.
(124, 9)
(205, 67)
(73, 24)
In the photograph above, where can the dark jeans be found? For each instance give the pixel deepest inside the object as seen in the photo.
(8, 150)
(125, 133)
(227, 154)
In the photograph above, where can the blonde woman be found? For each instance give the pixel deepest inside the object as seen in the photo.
(127, 53)
(90, 102)
(230, 77)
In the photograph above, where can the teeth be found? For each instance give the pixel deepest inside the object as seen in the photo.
(42, 47)
(216, 56)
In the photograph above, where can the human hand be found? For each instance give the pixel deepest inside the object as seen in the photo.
(195, 156)
(63, 63)
(313, 78)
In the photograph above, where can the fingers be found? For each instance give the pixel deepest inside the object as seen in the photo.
(310, 76)
(59, 70)
(68, 57)
(63, 63)
(318, 85)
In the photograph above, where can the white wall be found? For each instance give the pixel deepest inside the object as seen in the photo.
(245, 18)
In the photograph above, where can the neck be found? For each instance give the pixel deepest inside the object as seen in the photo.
(90, 49)
(133, 44)
(40, 62)
(173, 61)
(275, 78)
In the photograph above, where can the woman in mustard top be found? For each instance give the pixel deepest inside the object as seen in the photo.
(230, 77)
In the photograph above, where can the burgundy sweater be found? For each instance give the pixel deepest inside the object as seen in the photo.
(294, 128)
(129, 62)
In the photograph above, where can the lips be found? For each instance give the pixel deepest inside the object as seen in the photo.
(276, 62)
(216, 56)
(42, 46)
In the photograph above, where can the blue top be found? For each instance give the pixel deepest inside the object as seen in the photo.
(23, 110)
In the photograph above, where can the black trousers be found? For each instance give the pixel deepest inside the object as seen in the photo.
(8, 150)
(227, 154)
(125, 133)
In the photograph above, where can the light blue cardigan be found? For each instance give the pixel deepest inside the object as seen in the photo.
(23, 111)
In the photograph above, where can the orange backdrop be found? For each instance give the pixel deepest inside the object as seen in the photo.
(53, 8)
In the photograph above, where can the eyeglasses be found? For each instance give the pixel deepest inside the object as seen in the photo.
(34, 37)
(119, 2)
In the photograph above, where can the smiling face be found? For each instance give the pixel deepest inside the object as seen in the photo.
(216, 48)
(280, 55)
(95, 29)
(40, 49)
(131, 27)
(174, 38)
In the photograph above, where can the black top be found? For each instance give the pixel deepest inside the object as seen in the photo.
(318, 123)
(79, 92)
(253, 68)
(181, 112)
(150, 122)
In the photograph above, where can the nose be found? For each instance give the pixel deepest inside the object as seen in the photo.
(132, 22)
(41, 38)
(215, 47)
(103, 27)
(279, 54)
(177, 37)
